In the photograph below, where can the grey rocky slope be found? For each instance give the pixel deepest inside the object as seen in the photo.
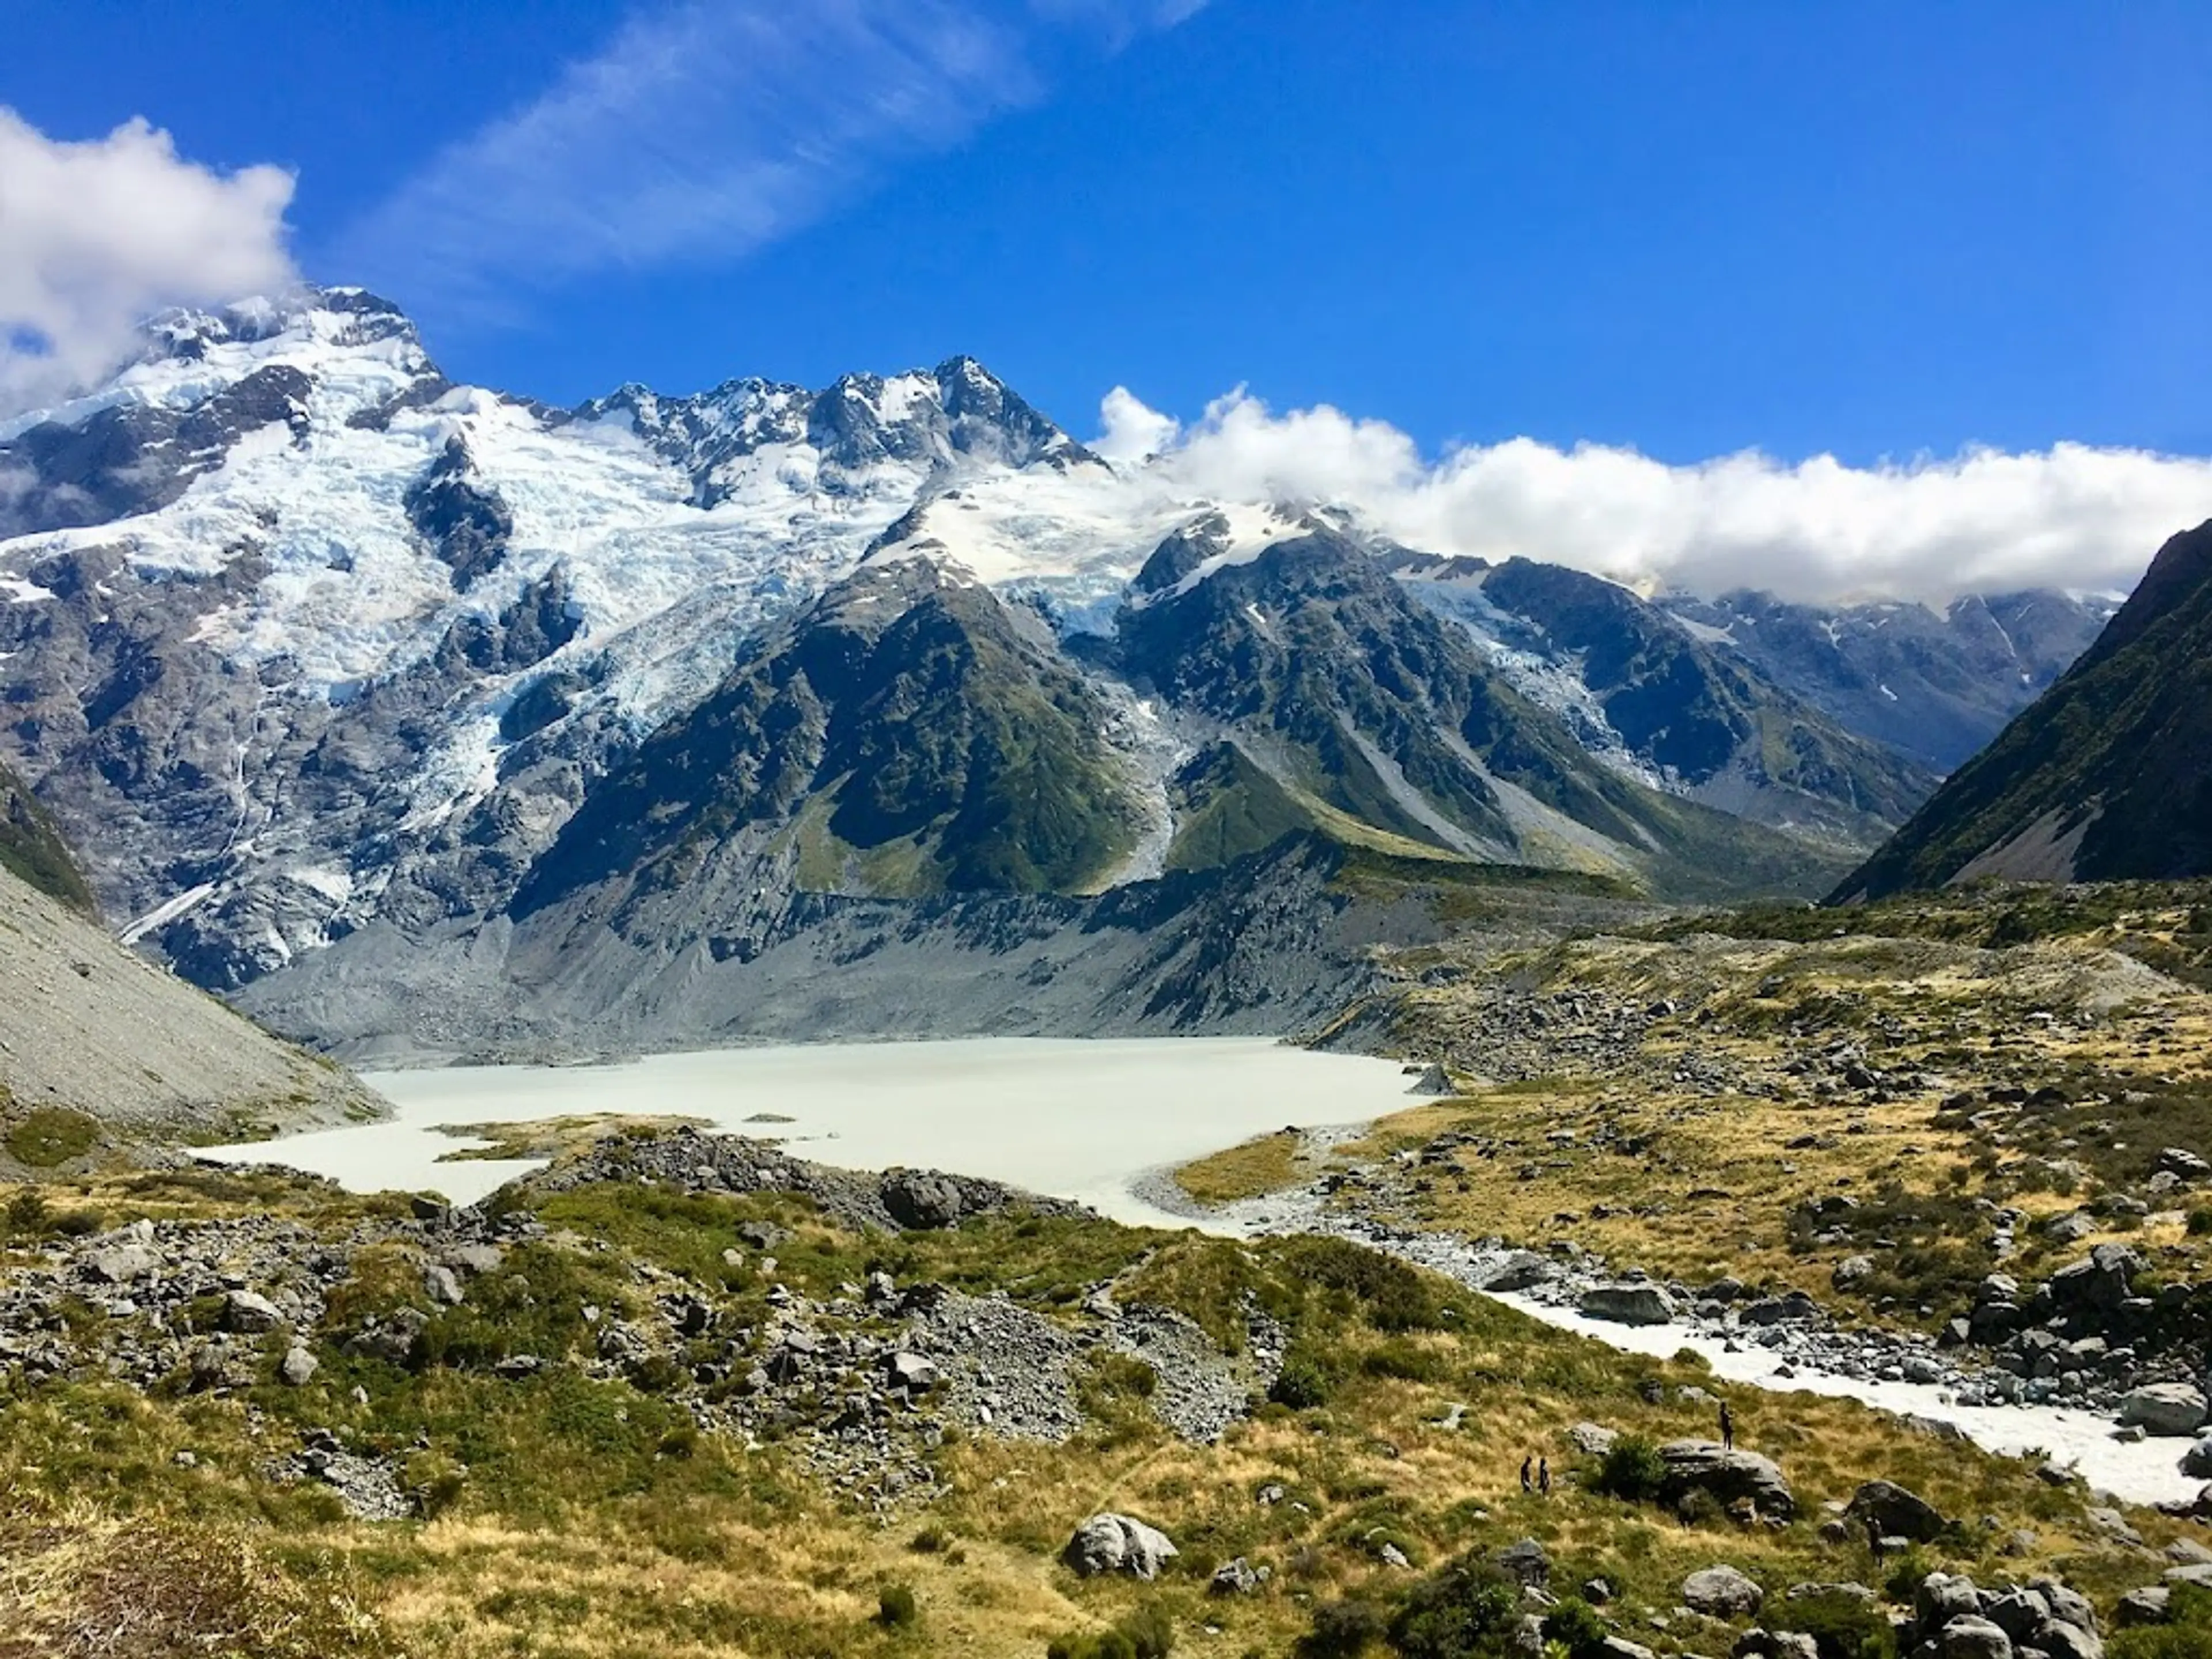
(100, 1048)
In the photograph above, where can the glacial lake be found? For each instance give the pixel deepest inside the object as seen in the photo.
(1087, 1119)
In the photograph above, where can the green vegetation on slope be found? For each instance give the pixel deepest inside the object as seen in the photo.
(31, 849)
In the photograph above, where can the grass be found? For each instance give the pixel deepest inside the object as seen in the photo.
(1698, 1145)
(578, 1514)
(47, 1137)
(1268, 1164)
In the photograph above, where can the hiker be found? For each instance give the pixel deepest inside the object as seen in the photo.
(1727, 1428)
(1528, 1483)
(1544, 1476)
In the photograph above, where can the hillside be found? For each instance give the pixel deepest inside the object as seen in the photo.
(31, 849)
(101, 1050)
(2107, 776)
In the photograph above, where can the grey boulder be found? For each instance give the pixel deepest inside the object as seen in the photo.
(1722, 1592)
(1117, 1543)
(2165, 1409)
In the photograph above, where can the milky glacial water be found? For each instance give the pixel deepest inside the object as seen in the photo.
(1077, 1119)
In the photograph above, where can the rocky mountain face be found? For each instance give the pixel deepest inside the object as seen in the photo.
(1934, 688)
(2107, 776)
(299, 639)
(1690, 714)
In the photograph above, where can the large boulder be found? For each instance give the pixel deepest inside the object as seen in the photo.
(1895, 1512)
(1722, 1592)
(2099, 1282)
(122, 1264)
(2196, 1462)
(1941, 1597)
(1628, 1304)
(2151, 1605)
(1116, 1543)
(250, 1313)
(1972, 1637)
(2173, 1408)
(1706, 1466)
(923, 1198)
(1526, 1564)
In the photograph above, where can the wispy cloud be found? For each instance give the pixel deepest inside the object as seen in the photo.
(706, 130)
(1984, 521)
(96, 234)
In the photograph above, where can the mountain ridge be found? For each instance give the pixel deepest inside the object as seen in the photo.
(2107, 776)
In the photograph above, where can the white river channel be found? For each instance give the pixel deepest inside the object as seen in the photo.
(1087, 1119)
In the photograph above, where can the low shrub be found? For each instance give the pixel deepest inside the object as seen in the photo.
(1302, 1384)
(1464, 1608)
(1843, 1626)
(1341, 1630)
(896, 1606)
(1577, 1627)
(1631, 1469)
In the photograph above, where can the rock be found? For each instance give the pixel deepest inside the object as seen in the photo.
(1116, 1543)
(1619, 1647)
(1850, 1270)
(1774, 1644)
(1433, 1081)
(2164, 1409)
(1845, 1591)
(2198, 1575)
(2187, 1552)
(442, 1284)
(1704, 1466)
(2067, 1606)
(122, 1264)
(476, 1260)
(1722, 1592)
(248, 1314)
(427, 1207)
(1896, 1512)
(2112, 1525)
(913, 1372)
(1941, 1597)
(1523, 1270)
(2061, 1640)
(1526, 1562)
(1592, 1440)
(2146, 1605)
(1236, 1578)
(924, 1199)
(1972, 1637)
(1391, 1556)
(298, 1368)
(1628, 1304)
(2186, 1165)
(2019, 1613)
(2098, 1282)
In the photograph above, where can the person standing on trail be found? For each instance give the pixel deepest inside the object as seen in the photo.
(1528, 1481)
(1727, 1428)
(1544, 1476)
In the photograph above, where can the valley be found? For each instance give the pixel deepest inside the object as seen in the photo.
(964, 1050)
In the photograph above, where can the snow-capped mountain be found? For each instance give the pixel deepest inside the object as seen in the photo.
(296, 636)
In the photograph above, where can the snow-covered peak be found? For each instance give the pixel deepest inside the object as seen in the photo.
(361, 350)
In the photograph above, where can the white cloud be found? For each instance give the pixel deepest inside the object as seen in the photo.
(95, 236)
(2071, 516)
(708, 129)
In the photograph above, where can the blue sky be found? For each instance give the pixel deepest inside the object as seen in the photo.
(1867, 229)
